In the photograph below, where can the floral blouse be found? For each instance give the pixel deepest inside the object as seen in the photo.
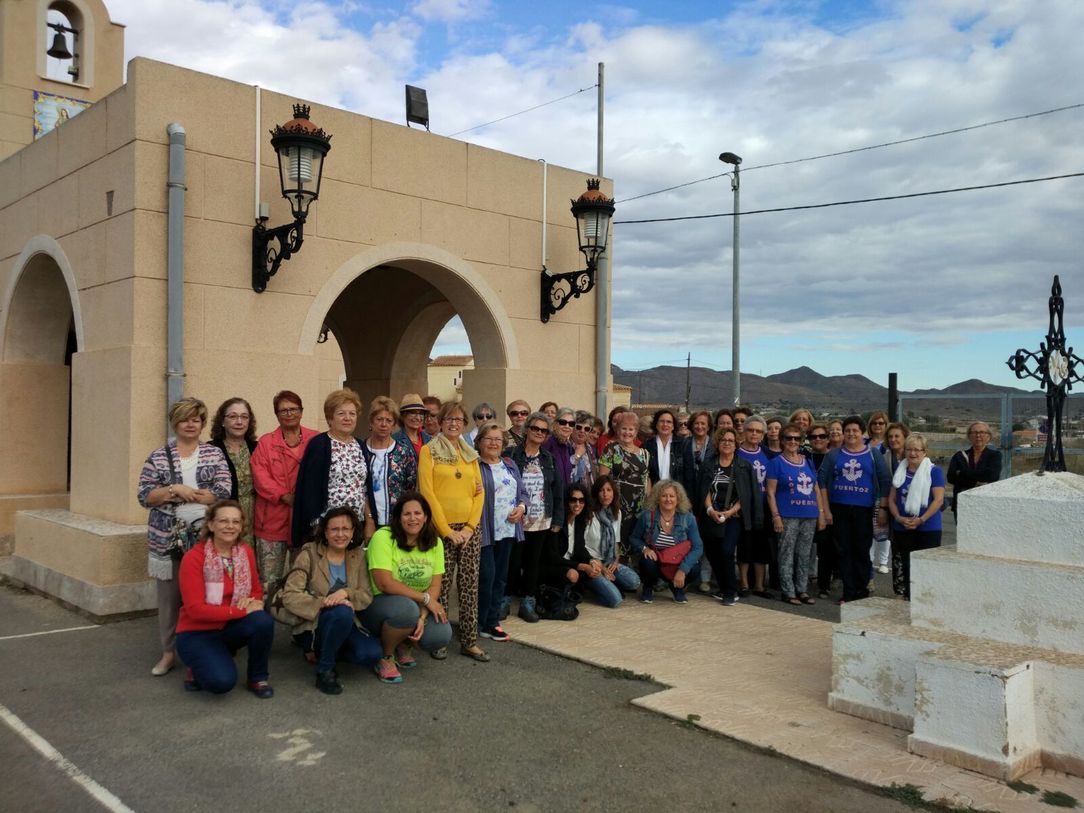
(629, 471)
(347, 476)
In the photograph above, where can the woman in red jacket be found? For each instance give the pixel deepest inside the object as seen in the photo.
(222, 607)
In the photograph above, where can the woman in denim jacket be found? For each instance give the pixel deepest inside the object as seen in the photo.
(666, 521)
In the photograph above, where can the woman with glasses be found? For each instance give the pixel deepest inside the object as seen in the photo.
(731, 504)
(823, 543)
(565, 558)
(412, 413)
(882, 547)
(544, 514)
(559, 443)
(627, 464)
(274, 475)
(757, 543)
(393, 468)
(918, 491)
(671, 457)
(233, 430)
(976, 466)
(792, 502)
(835, 434)
(584, 460)
(451, 481)
(178, 482)
(482, 413)
(517, 412)
(333, 472)
(502, 527)
(894, 454)
(876, 428)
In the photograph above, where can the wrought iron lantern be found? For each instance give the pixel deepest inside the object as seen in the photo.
(593, 211)
(301, 147)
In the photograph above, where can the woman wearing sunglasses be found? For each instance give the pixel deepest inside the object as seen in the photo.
(559, 443)
(792, 502)
(584, 457)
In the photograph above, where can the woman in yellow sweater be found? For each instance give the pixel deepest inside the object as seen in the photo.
(449, 478)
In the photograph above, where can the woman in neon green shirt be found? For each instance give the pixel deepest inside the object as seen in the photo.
(406, 567)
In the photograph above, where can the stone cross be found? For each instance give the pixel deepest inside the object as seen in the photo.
(1056, 368)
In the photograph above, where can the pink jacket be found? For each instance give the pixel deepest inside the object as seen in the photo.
(274, 473)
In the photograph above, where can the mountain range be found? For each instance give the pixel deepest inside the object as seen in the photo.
(805, 387)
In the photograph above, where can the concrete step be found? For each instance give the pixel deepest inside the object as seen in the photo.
(1023, 603)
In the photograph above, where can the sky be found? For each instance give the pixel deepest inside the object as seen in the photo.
(938, 288)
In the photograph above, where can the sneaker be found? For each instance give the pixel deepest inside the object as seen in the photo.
(822, 594)
(328, 682)
(704, 587)
(495, 634)
(647, 595)
(679, 596)
(261, 688)
(527, 613)
(404, 656)
(439, 654)
(718, 595)
(730, 601)
(884, 569)
(387, 672)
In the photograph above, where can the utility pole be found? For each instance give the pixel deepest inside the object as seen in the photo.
(688, 380)
(735, 318)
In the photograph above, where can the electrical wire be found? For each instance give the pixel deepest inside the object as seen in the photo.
(850, 202)
(521, 112)
(860, 149)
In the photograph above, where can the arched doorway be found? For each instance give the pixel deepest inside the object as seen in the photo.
(387, 306)
(41, 331)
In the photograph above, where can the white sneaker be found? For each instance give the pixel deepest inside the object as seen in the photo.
(883, 569)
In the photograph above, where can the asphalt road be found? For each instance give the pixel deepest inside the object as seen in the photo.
(529, 731)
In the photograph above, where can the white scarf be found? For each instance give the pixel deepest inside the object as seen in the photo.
(918, 495)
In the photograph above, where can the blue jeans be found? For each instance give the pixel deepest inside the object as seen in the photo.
(492, 578)
(337, 638)
(650, 573)
(402, 613)
(209, 653)
(609, 592)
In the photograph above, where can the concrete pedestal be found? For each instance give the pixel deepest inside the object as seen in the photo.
(986, 664)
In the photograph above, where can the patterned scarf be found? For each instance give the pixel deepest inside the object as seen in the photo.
(608, 541)
(214, 574)
(445, 450)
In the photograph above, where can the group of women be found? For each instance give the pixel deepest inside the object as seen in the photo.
(357, 543)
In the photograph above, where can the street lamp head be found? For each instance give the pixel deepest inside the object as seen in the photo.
(730, 158)
(301, 147)
(593, 211)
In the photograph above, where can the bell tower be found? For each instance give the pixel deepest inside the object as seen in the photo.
(57, 57)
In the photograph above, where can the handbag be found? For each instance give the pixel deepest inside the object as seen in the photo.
(558, 605)
(273, 601)
(670, 558)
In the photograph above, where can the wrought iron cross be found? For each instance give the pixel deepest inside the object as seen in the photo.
(1056, 368)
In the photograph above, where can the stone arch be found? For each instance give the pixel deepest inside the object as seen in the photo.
(80, 17)
(41, 328)
(387, 305)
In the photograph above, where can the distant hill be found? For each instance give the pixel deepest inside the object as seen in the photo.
(804, 387)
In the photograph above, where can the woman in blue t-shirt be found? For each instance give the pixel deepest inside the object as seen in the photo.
(918, 491)
(792, 501)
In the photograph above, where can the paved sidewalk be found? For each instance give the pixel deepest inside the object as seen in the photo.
(762, 677)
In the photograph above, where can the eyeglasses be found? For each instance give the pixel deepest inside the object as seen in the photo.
(576, 499)
(818, 437)
(877, 423)
(583, 428)
(544, 430)
(794, 438)
(289, 411)
(754, 430)
(237, 416)
(728, 440)
(485, 416)
(453, 420)
(565, 422)
(517, 413)
(682, 424)
(493, 439)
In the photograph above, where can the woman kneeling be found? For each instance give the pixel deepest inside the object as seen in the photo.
(406, 565)
(326, 587)
(222, 607)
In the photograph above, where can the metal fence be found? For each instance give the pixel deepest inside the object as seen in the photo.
(1027, 458)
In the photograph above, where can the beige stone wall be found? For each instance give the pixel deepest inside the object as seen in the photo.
(459, 225)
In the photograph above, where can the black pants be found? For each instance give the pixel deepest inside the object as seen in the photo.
(852, 530)
(909, 542)
(523, 564)
(826, 559)
(720, 550)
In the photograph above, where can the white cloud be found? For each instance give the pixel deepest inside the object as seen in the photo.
(450, 10)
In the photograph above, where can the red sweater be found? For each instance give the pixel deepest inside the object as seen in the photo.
(196, 614)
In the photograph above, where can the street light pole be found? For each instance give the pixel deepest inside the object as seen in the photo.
(735, 319)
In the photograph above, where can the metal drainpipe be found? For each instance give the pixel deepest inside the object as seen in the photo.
(175, 269)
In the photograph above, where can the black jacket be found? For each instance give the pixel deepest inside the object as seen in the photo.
(963, 475)
(310, 493)
(553, 490)
(682, 465)
(752, 506)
